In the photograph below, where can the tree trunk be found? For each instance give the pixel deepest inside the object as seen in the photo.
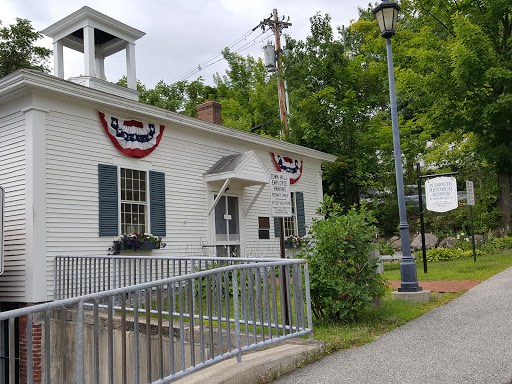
(504, 202)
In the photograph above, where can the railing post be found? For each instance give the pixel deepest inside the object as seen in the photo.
(79, 371)
(236, 310)
(308, 299)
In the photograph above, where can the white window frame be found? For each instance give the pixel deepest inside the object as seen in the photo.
(290, 223)
(121, 201)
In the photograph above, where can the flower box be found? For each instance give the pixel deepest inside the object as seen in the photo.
(150, 245)
(137, 241)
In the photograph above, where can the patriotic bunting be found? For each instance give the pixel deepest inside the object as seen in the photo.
(288, 165)
(133, 138)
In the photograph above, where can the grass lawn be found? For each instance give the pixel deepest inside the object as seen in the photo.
(458, 269)
(375, 322)
(394, 313)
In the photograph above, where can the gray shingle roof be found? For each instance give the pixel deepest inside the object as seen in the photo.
(227, 163)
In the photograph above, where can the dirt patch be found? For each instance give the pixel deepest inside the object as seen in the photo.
(441, 286)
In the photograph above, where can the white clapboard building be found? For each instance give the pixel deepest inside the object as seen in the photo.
(82, 162)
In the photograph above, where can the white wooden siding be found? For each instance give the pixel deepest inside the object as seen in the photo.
(12, 179)
(76, 143)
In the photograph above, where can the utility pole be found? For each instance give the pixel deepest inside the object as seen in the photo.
(277, 27)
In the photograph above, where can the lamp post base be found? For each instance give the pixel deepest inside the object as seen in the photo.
(408, 275)
(418, 297)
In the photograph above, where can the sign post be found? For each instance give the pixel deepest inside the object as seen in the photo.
(470, 196)
(281, 206)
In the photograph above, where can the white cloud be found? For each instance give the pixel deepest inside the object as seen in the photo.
(180, 34)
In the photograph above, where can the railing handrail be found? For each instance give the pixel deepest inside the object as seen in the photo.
(118, 291)
(222, 308)
(180, 258)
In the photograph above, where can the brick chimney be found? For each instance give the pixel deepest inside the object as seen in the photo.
(210, 111)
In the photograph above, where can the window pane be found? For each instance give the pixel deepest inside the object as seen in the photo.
(220, 223)
(233, 223)
(263, 223)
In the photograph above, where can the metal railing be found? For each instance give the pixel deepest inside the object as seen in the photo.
(161, 330)
(81, 275)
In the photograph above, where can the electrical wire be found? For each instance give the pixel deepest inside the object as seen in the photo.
(204, 63)
(209, 62)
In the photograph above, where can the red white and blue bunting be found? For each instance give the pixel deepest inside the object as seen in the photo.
(133, 138)
(288, 165)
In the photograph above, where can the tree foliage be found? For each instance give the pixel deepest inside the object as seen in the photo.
(17, 49)
(333, 98)
(248, 95)
(455, 67)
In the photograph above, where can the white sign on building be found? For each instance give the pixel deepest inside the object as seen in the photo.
(470, 192)
(441, 194)
(280, 197)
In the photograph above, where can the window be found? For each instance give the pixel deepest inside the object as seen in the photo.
(133, 201)
(290, 223)
(139, 198)
(295, 225)
(263, 228)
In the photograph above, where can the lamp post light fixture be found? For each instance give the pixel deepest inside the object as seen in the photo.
(386, 14)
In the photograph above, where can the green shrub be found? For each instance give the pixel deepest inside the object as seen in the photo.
(342, 273)
(444, 254)
(497, 244)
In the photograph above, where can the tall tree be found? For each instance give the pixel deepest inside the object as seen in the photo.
(457, 62)
(248, 95)
(182, 96)
(17, 49)
(333, 97)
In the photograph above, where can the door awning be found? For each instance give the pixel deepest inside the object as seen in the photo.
(243, 167)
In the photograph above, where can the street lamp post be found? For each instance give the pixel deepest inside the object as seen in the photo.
(386, 14)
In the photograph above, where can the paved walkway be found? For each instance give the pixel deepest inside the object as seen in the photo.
(468, 340)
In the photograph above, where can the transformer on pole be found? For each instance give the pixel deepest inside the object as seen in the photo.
(277, 26)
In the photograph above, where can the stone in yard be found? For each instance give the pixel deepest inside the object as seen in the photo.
(396, 244)
(430, 242)
(448, 242)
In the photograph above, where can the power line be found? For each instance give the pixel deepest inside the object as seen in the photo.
(208, 61)
(199, 68)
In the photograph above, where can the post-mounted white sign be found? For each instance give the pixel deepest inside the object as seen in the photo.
(470, 192)
(280, 197)
(441, 194)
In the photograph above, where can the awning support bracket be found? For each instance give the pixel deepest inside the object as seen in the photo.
(262, 187)
(222, 190)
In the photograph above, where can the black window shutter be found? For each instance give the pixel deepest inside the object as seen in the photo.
(301, 217)
(276, 226)
(157, 203)
(108, 200)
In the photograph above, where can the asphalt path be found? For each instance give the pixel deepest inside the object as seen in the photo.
(468, 340)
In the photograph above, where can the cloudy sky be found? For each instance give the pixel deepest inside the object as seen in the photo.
(181, 34)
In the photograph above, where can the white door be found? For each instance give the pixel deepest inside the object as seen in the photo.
(227, 227)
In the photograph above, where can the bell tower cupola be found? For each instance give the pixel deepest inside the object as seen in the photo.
(97, 36)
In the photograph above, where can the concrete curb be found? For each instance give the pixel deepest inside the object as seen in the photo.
(255, 367)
